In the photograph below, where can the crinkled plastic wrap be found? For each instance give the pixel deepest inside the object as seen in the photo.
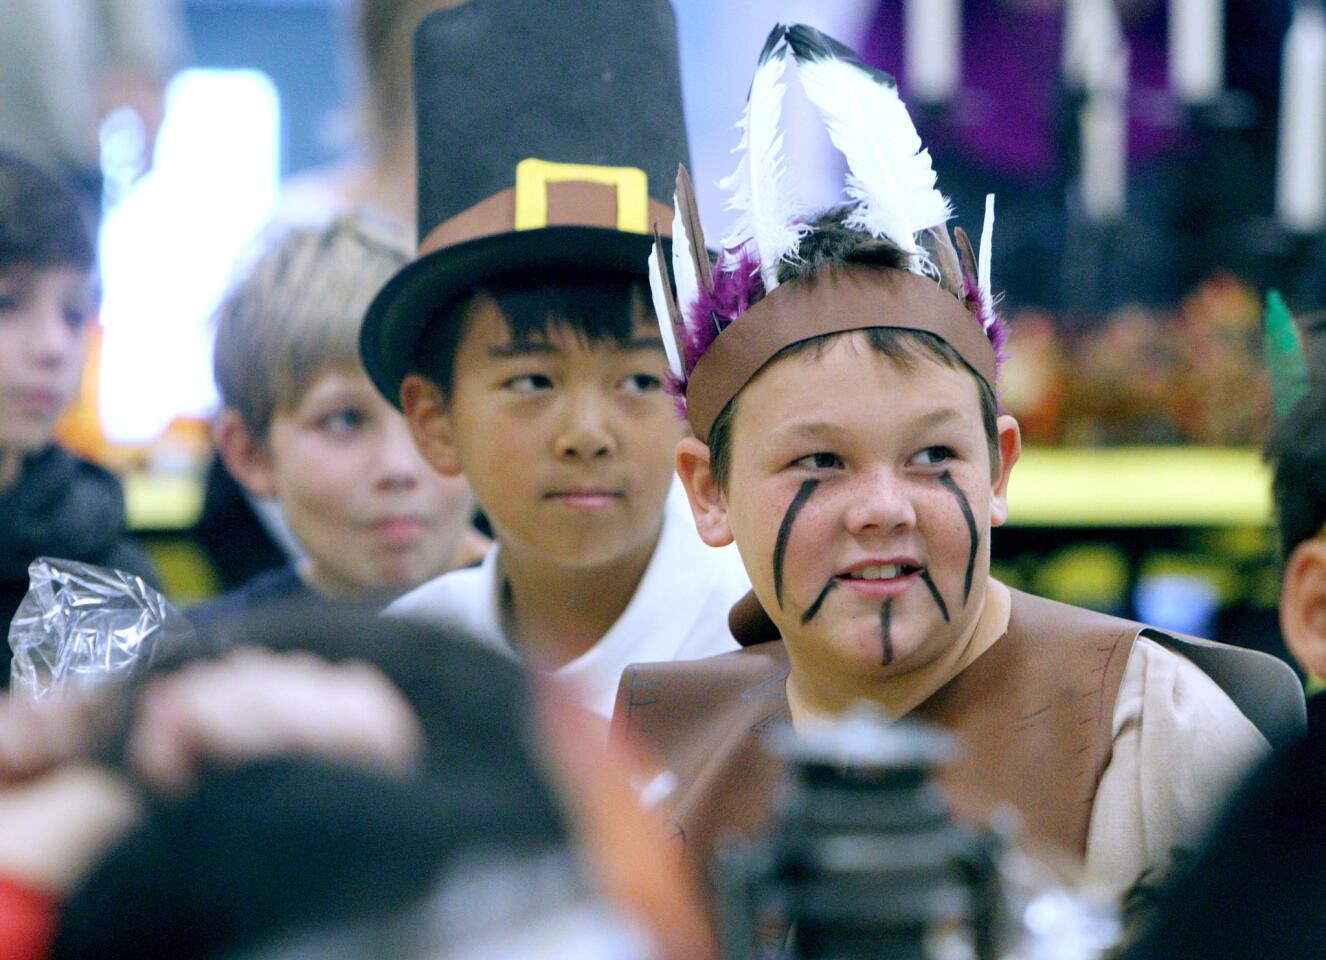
(81, 624)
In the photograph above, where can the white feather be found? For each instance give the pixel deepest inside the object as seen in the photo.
(987, 246)
(767, 212)
(685, 271)
(658, 290)
(890, 177)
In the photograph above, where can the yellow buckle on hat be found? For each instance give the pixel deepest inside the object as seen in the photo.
(533, 177)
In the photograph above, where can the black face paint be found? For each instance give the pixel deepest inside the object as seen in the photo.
(947, 480)
(885, 614)
(785, 531)
(934, 592)
(814, 608)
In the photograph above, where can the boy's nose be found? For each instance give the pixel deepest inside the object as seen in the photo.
(399, 462)
(879, 502)
(53, 342)
(585, 433)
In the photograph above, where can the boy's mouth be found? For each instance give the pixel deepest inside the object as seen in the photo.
(881, 580)
(881, 571)
(585, 498)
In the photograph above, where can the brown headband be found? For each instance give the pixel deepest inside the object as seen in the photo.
(834, 301)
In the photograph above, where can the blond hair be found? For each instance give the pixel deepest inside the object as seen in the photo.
(294, 311)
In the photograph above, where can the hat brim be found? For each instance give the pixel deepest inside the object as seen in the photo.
(424, 291)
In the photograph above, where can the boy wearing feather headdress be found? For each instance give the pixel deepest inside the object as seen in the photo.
(521, 347)
(848, 439)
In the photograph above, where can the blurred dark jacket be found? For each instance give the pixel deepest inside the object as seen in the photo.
(64, 507)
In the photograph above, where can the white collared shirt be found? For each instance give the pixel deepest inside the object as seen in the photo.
(679, 610)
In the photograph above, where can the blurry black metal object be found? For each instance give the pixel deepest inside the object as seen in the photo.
(864, 860)
(82, 624)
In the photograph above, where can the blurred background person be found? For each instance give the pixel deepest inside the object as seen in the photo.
(51, 502)
(379, 173)
(68, 64)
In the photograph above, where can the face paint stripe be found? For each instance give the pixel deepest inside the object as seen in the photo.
(934, 592)
(785, 531)
(809, 615)
(947, 480)
(885, 629)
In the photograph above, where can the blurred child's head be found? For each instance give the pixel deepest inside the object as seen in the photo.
(1297, 453)
(384, 30)
(859, 474)
(47, 295)
(547, 391)
(303, 423)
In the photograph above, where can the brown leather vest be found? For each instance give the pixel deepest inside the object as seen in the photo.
(1033, 716)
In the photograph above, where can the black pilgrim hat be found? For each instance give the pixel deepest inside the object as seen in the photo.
(549, 135)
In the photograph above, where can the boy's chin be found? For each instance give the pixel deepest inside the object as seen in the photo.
(859, 648)
(595, 550)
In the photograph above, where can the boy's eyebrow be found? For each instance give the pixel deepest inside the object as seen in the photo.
(937, 417)
(521, 348)
(820, 428)
(815, 428)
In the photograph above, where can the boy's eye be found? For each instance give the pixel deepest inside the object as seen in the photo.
(820, 461)
(528, 383)
(932, 456)
(342, 423)
(641, 383)
(75, 317)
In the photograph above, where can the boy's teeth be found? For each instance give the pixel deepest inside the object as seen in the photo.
(879, 572)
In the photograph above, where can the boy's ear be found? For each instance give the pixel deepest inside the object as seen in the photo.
(245, 456)
(1010, 449)
(430, 423)
(702, 489)
(1303, 605)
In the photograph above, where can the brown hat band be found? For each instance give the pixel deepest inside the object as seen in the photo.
(557, 195)
(836, 300)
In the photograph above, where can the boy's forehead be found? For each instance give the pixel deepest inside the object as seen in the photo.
(836, 380)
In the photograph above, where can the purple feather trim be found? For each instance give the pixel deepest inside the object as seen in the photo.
(737, 285)
(675, 387)
(991, 322)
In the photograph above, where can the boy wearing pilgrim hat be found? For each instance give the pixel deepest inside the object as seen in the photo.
(522, 346)
(839, 376)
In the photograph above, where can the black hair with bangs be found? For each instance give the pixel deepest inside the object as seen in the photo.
(595, 306)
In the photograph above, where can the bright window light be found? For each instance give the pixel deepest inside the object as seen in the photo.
(167, 249)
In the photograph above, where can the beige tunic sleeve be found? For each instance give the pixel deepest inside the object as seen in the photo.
(1180, 745)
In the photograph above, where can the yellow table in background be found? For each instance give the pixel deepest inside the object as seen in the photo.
(1140, 487)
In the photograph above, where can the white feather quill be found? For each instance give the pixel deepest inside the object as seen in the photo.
(987, 248)
(658, 289)
(685, 272)
(767, 211)
(890, 176)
